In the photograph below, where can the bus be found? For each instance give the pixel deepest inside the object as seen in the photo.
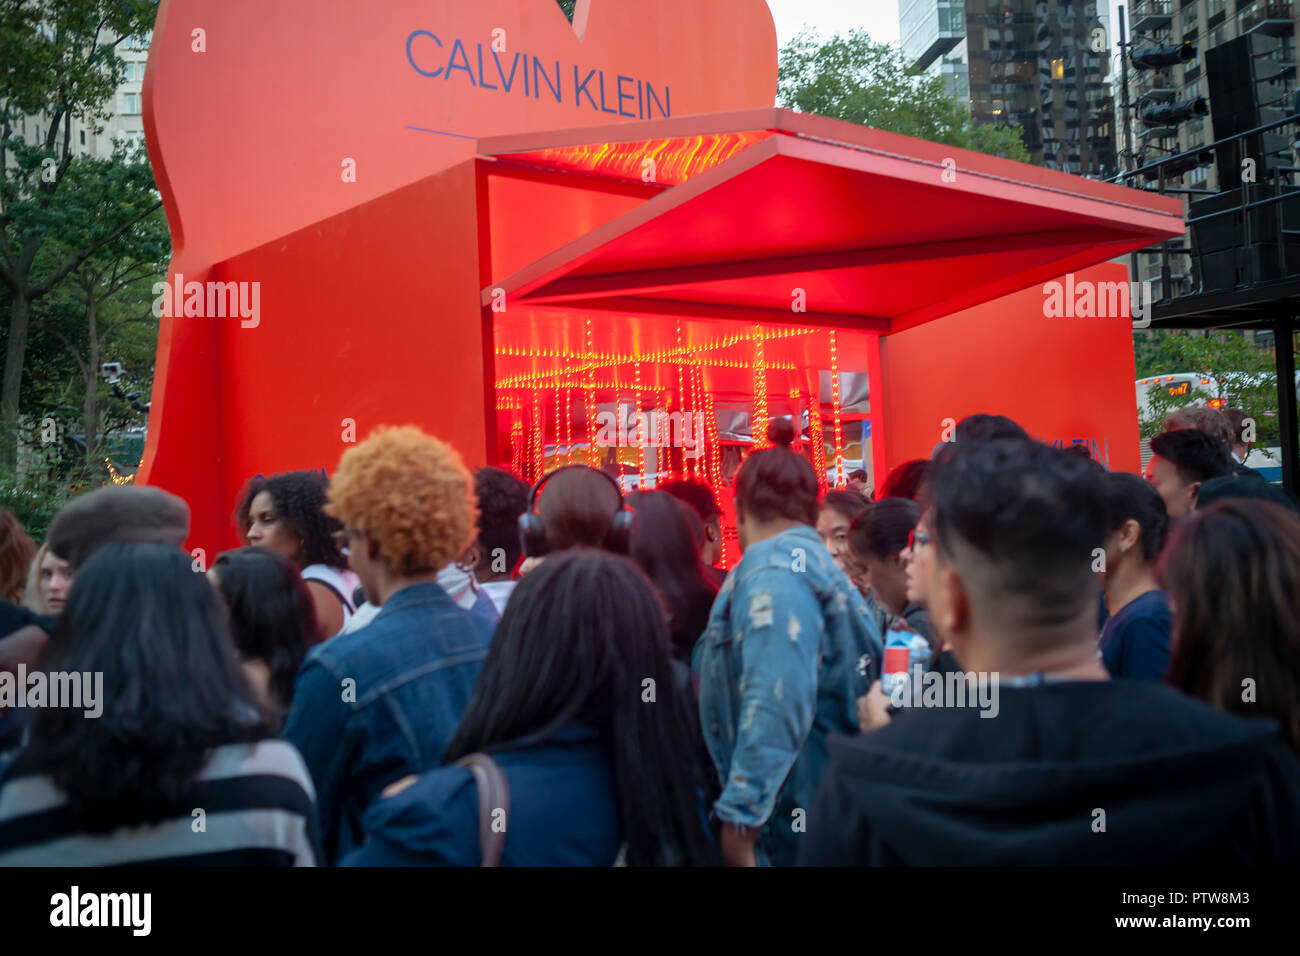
(1266, 461)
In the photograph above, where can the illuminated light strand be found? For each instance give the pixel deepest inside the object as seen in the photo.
(713, 459)
(548, 379)
(681, 398)
(694, 373)
(708, 469)
(665, 446)
(816, 434)
(640, 429)
(759, 415)
(117, 478)
(661, 355)
(568, 426)
(557, 427)
(539, 430)
(618, 451)
(835, 412)
(675, 160)
(516, 445)
(592, 458)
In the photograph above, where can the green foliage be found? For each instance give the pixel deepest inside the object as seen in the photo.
(68, 71)
(567, 7)
(58, 61)
(1241, 374)
(34, 500)
(851, 77)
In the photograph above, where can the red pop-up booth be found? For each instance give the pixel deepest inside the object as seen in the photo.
(627, 265)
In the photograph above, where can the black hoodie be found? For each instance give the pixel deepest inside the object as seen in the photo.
(1179, 782)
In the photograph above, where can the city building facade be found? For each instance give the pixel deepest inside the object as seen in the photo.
(1042, 64)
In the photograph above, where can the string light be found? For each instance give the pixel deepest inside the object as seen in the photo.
(558, 393)
(816, 434)
(115, 477)
(835, 411)
(539, 430)
(592, 459)
(517, 445)
(797, 419)
(693, 372)
(565, 374)
(640, 429)
(681, 399)
(568, 426)
(759, 423)
(618, 451)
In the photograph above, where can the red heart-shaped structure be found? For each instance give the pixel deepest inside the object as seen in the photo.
(319, 156)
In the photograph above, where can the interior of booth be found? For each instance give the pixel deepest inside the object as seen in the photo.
(650, 399)
(727, 270)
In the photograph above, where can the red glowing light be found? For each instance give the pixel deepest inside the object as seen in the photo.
(666, 162)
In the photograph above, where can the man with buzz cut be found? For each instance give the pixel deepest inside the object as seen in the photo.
(1075, 768)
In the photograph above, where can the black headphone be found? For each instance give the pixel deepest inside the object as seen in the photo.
(532, 533)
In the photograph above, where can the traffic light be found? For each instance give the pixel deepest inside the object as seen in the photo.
(1171, 114)
(1159, 57)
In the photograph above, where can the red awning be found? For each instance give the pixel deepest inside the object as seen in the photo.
(880, 231)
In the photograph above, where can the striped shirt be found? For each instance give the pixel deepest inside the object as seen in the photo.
(258, 808)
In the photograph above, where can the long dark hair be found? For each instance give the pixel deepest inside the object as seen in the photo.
(272, 617)
(172, 687)
(578, 639)
(666, 550)
(778, 482)
(299, 498)
(1231, 571)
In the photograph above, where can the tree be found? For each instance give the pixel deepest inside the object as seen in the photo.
(567, 7)
(851, 77)
(59, 61)
(1239, 373)
(112, 289)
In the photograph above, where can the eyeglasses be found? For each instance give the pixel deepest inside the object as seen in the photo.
(915, 538)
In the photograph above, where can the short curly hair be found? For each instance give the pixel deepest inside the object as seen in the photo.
(411, 493)
(502, 498)
(299, 498)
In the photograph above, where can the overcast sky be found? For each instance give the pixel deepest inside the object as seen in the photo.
(878, 17)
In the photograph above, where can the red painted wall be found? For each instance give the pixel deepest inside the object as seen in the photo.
(368, 318)
(369, 282)
(1062, 378)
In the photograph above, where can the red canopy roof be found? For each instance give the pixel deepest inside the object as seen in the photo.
(881, 231)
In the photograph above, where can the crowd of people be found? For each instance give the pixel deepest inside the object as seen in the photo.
(1008, 655)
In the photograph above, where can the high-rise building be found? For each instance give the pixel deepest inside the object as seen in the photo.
(1254, 80)
(1042, 64)
(125, 122)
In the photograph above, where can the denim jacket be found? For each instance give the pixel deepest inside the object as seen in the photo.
(789, 648)
(381, 702)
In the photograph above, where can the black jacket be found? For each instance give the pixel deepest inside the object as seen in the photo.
(1179, 782)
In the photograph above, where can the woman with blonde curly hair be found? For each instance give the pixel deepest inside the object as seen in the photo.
(374, 705)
